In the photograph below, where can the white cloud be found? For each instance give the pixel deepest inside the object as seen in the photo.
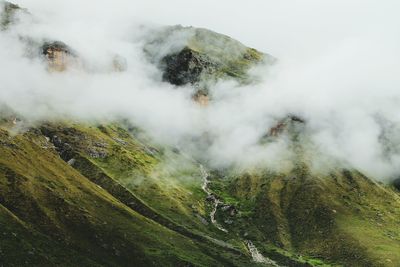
(338, 68)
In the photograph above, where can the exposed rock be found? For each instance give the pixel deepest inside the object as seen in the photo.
(8, 144)
(202, 58)
(210, 198)
(97, 153)
(229, 209)
(120, 141)
(396, 183)
(71, 161)
(225, 207)
(64, 149)
(104, 144)
(283, 124)
(58, 55)
(187, 66)
(228, 221)
(201, 97)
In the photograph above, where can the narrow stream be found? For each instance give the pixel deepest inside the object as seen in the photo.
(255, 254)
(216, 202)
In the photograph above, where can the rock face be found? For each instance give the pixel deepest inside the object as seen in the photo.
(289, 122)
(58, 55)
(187, 66)
(202, 58)
(396, 184)
(201, 97)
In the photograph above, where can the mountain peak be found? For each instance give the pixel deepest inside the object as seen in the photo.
(189, 55)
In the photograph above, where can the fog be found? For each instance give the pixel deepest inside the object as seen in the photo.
(338, 68)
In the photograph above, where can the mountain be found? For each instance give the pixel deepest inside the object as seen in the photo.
(104, 193)
(200, 53)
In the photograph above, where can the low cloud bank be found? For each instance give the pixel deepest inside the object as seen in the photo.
(338, 69)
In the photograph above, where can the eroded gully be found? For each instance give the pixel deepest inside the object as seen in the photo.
(255, 254)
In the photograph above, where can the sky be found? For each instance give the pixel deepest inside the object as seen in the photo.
(279, 27)
(338, 67)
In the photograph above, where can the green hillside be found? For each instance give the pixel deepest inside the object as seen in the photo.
(103, 193)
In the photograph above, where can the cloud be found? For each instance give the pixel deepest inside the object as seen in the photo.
(338, 69)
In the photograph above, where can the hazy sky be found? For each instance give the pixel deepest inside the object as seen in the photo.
(284, 27)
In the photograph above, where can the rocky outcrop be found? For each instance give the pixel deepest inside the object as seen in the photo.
(202, 58)
(284, 125)
(187, 67)
(396, 184)
(57, 54)
(201, 97)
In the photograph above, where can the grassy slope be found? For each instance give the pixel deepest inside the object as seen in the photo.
(172, 192)
(78, 221)
(344, 217)
(126, 205)
(172, 189)
(123, 207)
(233, 58)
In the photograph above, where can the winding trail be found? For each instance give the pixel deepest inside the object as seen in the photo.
(255, 254)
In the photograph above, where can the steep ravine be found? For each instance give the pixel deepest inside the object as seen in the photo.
(255, 254)
(210, 196)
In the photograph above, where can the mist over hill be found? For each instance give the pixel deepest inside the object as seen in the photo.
(346, 90)
(136, 128)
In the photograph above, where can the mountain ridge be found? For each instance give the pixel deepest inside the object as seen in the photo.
(85, 193)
